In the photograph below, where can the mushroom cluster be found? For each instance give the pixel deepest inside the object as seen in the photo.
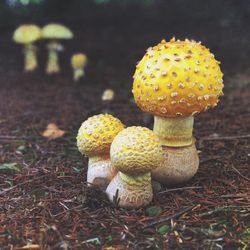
(30, 33)
(120, 159)
(174, 81)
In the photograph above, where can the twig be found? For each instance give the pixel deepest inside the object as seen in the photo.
(227, 138)
(240, 174)
(178, 189)
(221, 209)
(9, 137)
(234, 195)
(153, 223)
(69, 209)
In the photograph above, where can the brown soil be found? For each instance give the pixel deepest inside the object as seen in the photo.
(47, 202)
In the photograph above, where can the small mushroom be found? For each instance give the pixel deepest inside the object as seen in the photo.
(174, 81)
(135, 152)
(27, 35)
(108, 95)
(55, 32)
(78, 62)
(93, 140)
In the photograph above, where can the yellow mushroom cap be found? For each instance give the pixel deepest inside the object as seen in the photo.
(56, 31)
(27, 34)
(97, 133)
(136, 150)
(177, 78)
(78, 60)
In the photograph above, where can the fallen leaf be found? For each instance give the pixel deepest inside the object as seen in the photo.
(52, 131)
(31, 246)
(108, 95)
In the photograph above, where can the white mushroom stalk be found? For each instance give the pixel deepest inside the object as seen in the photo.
(53, 65)
(78, 73)
(30, 57)
(100, 171)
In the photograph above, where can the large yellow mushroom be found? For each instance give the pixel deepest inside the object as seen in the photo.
(135, 151)
(27, 35)
(174, 81)
(93, 140)
(55, 32)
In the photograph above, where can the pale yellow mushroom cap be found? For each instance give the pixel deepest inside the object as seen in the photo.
(177, 78)
(26, 34)
(136, 150)
(78, 60)
(97, 133)
(56, 31)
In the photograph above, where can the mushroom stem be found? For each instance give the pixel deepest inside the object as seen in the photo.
(179, 165)
(78, 73)
(53, 61)
(30, 61)
(100, 171)
(174, 132)
(130, 191)
(181, 159)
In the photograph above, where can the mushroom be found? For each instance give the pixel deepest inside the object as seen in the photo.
(93, 140)
(78, 62)
(54, 32)
(174, 81)
(108, 95)
(135, 151)
(27, 35)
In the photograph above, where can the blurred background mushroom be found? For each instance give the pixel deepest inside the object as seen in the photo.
(108, 95)
(78, 63)
(55, 32)
(27, 34)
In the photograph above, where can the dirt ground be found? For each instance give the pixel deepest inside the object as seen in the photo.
(46, 203)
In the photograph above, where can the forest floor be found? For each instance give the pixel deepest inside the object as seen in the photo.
(44, 200)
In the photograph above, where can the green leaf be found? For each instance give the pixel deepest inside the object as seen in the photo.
(153, 211)
(94, 241)
(245, 235)
(164, 229)
(9, 166)
(109, 238)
